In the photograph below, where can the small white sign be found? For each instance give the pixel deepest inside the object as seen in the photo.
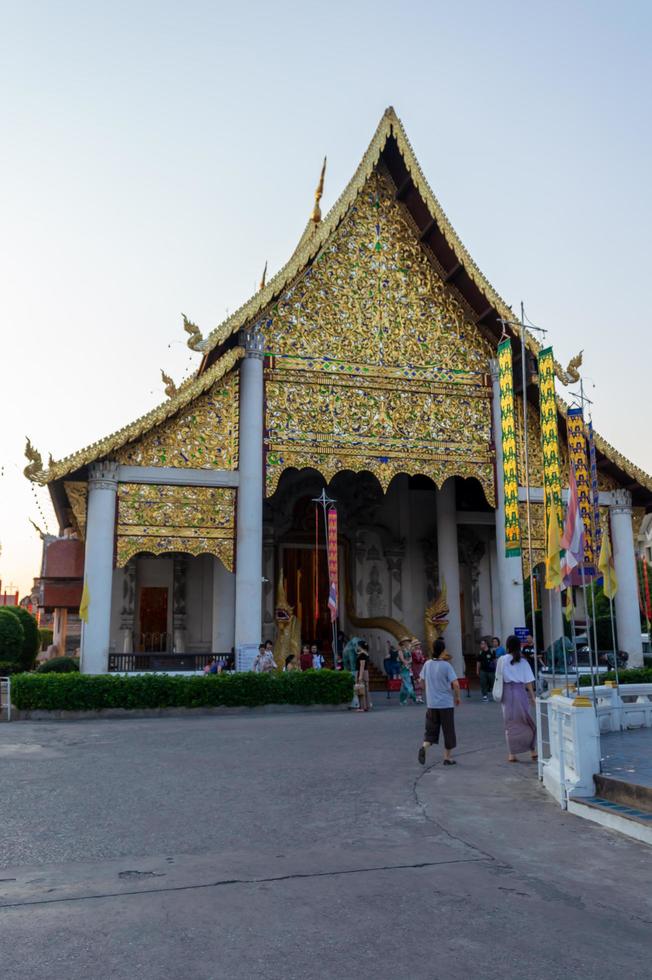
(245, 656)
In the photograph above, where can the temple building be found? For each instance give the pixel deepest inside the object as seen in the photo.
(365, 366)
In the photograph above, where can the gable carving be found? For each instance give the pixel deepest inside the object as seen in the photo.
(373, 364)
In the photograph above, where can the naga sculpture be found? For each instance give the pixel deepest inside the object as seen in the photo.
(436, 617)
(35, 465)
(195, 338)
(573, 368)
(170, 387)
(288, 627)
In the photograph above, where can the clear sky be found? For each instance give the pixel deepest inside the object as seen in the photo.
(154, 154)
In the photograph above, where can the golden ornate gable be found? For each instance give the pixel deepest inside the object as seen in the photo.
(374, 363)
(204, 434)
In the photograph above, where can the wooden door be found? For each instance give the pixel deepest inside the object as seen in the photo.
(153, 615)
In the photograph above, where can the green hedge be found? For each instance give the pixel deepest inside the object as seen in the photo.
(635, 675)
(9, 667)
(84, 692)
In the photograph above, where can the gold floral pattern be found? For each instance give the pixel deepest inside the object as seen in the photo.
(77, 494)
(373, 365)
(159, 519)
(204, 434)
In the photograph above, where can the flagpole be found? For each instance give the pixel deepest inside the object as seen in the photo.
(527, 497)
(588, 638)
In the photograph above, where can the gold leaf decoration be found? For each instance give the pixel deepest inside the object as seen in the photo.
(170, 387)
(34, 467)
(195, 338)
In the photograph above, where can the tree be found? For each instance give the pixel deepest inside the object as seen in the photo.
(31, 643)
(12, 636)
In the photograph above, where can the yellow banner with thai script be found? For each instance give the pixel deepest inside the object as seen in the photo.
(578, 457)
(549, 437)
(510, 469)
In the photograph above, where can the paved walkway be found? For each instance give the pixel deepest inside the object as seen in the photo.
(628, 756)
(303, 846)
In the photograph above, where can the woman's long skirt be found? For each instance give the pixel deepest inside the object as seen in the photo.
(520, 729)
(407, 687)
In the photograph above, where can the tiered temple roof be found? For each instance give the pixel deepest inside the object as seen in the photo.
(390, 150)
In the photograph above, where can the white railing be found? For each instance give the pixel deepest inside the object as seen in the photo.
(574, 741)
(5, 698)
(574, 725)
(629, 706)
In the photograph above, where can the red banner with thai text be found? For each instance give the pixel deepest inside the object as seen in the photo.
(332, 563)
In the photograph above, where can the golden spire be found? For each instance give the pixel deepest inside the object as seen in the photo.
(316, 211)
(264, 277)
(170, 387)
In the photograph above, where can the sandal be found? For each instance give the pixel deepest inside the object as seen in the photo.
(512, 760)
(450, 762)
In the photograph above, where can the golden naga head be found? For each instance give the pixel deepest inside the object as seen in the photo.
(170, 387)
(284, 610)
(195, 337)
(35, 465)
(573, 368)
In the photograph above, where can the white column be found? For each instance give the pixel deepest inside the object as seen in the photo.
(249, 542)
(510, 570)
(98, 565)
(628, 621)
(552, 616)
(449, 570)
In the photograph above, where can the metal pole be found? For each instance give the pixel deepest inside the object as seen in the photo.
(588, 639)
(527, 499)
(613, 640)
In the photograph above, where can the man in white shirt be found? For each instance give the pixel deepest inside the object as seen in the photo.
(442, 694)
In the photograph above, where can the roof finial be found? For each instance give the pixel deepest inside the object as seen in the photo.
(264, 277)
(170, 387)
(316, 211)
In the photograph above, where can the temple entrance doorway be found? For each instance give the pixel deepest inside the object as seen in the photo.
(306, 586)
(153, 617)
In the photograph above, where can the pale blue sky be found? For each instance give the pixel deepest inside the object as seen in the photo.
(153, 155)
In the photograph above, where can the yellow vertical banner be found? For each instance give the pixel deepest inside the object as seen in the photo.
(578, 457)
(549, 437)
(508, 432)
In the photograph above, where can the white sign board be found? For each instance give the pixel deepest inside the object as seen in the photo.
(245, 656)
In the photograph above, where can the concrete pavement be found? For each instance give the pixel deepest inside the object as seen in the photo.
(302, 846)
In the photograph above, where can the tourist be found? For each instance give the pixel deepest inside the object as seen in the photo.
(514, 688)
(362, 676)
(405, 656)
(418, 660)
(391, 663)
(442, 694)
(486, 669)
(349, 662)
(290, 663)
(305, 658)
(317, 659)
(264, 662)
(497, 647)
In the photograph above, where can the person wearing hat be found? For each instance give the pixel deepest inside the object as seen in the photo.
(405, 656)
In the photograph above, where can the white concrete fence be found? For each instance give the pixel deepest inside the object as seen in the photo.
(573, 727)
